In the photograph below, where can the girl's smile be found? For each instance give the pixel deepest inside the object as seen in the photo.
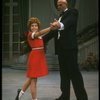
(34, 27)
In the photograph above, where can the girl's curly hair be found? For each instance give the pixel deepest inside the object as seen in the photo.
(33, 20)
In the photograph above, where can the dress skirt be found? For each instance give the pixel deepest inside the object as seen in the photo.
(37, 66)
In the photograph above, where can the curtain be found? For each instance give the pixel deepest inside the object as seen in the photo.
(24, 14)
(72, 3)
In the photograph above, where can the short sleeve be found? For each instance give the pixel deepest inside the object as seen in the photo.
(33, 35)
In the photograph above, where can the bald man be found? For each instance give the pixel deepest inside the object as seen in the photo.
(64, 31)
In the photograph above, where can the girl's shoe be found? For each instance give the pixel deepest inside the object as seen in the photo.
(17, 97)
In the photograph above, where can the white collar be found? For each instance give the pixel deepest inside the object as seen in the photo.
(66, 9)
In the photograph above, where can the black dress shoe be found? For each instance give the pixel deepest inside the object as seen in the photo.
(60, 98)
(57, 99)
(17, 97)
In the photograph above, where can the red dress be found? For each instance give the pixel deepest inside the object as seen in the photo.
(37, 66)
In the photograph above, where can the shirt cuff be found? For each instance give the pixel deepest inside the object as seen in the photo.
(33, 35)
(62, 26)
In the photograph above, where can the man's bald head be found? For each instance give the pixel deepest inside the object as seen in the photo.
(62, 1)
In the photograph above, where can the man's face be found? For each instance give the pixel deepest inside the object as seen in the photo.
(61, 6)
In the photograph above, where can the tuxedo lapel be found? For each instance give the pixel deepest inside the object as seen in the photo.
(65, 14)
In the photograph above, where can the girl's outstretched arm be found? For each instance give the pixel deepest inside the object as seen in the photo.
(42, 32)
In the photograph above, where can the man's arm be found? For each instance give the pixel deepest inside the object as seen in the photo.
(70, 18)
(49, 36)
(67, 20)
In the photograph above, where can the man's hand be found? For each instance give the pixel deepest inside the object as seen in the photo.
(55, 25)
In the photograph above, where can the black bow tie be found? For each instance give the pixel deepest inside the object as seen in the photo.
(62, 14)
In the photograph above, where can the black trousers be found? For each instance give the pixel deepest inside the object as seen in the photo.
(69, 72)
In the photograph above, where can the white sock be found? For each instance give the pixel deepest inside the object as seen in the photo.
(21, 93)
(34, 99)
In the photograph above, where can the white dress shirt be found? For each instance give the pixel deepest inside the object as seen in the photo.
(61, 25)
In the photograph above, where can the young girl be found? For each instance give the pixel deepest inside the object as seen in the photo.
(37, 66)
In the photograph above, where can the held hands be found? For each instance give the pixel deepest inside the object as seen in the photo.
(55, 25)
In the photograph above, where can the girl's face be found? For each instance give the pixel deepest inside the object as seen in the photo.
(34, 27)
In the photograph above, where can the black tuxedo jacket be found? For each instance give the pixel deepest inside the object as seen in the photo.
(68, 39)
